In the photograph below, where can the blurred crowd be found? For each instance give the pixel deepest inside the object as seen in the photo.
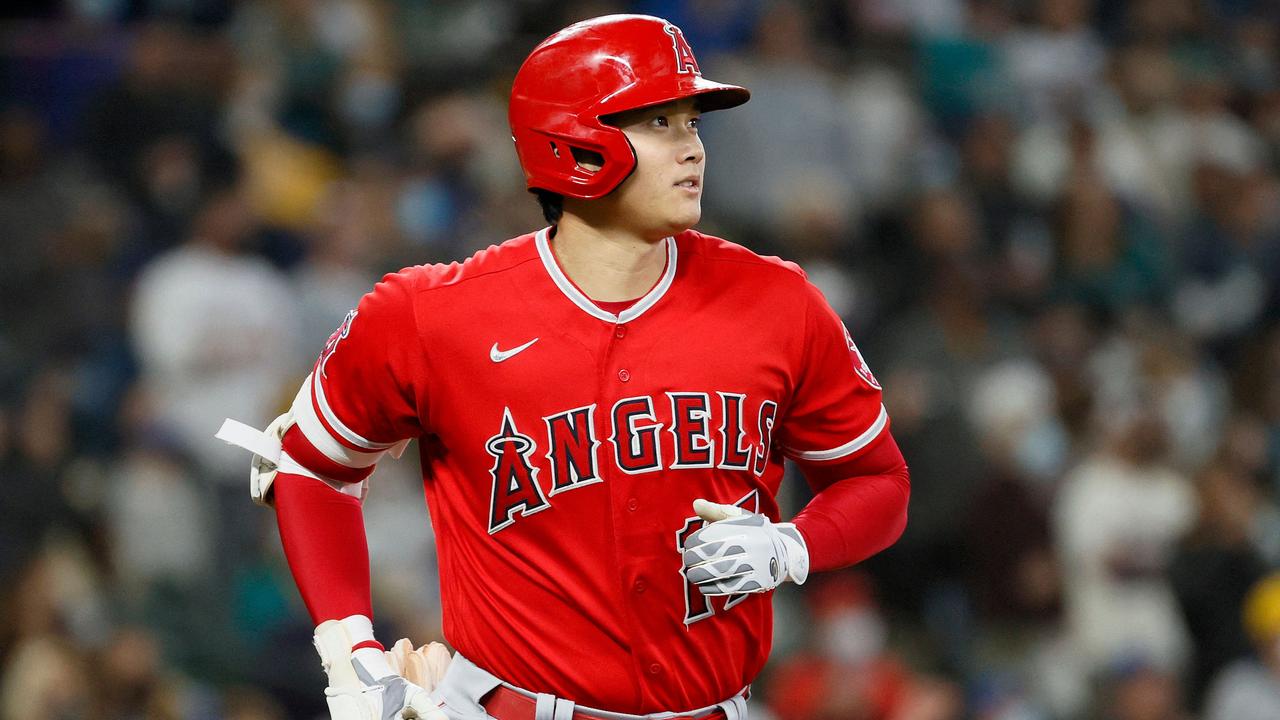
(1053, 227)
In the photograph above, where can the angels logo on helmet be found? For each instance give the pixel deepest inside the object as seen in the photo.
(685, 62)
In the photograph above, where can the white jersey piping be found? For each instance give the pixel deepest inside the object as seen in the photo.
(582, 301)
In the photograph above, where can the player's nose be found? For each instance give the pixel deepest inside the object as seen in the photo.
(691, 150)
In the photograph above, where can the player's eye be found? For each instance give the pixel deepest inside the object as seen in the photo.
(660, 121)
(695, 122)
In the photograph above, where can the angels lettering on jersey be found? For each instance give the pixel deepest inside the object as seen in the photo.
(728, 432)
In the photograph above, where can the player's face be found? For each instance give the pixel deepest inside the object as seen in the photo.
(663, 196)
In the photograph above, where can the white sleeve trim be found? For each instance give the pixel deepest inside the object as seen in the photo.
(848, 448)
(347, 433)
(304, 414)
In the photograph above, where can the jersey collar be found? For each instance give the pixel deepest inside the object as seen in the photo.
(572, 292)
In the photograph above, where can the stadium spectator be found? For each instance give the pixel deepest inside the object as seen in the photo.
(1119, 516)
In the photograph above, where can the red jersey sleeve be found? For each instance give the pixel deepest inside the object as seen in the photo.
(363, 395)
(836, 409)
(837, 430)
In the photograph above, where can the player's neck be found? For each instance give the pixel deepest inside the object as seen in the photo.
(608, 264)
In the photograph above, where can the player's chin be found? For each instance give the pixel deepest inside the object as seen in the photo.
(684, 216)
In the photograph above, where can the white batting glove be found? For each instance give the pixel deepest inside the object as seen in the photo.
(742, 552)
(362, 685)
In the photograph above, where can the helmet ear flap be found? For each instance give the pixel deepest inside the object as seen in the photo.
(588, 160)
(588, 165)
(616, 159)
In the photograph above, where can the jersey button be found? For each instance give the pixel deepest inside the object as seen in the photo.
(654, 669)
(633, 504)
(639, 586)
(624, 375)
(620, 331)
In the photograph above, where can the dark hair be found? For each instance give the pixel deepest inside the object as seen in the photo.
(552, 205)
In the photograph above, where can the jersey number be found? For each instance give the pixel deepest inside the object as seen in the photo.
(696, 605)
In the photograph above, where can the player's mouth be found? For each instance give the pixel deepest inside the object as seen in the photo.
(692, 184)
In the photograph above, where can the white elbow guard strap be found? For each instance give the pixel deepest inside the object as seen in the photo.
(266, 448)
(269, 458)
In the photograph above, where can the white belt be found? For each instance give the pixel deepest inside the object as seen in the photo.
(465, 684)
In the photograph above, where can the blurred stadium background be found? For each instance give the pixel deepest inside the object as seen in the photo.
(1053, 226)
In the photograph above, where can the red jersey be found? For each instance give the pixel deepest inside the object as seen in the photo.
(562, 447)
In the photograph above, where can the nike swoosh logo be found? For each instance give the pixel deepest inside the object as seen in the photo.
(498, 356)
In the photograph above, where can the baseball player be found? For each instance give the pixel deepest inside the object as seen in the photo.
(603, 409)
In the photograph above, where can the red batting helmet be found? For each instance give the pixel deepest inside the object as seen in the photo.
(587, 71)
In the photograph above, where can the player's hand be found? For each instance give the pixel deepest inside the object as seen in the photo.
(424, 667)
(363, 685)
(387, 698)
(742, 552)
